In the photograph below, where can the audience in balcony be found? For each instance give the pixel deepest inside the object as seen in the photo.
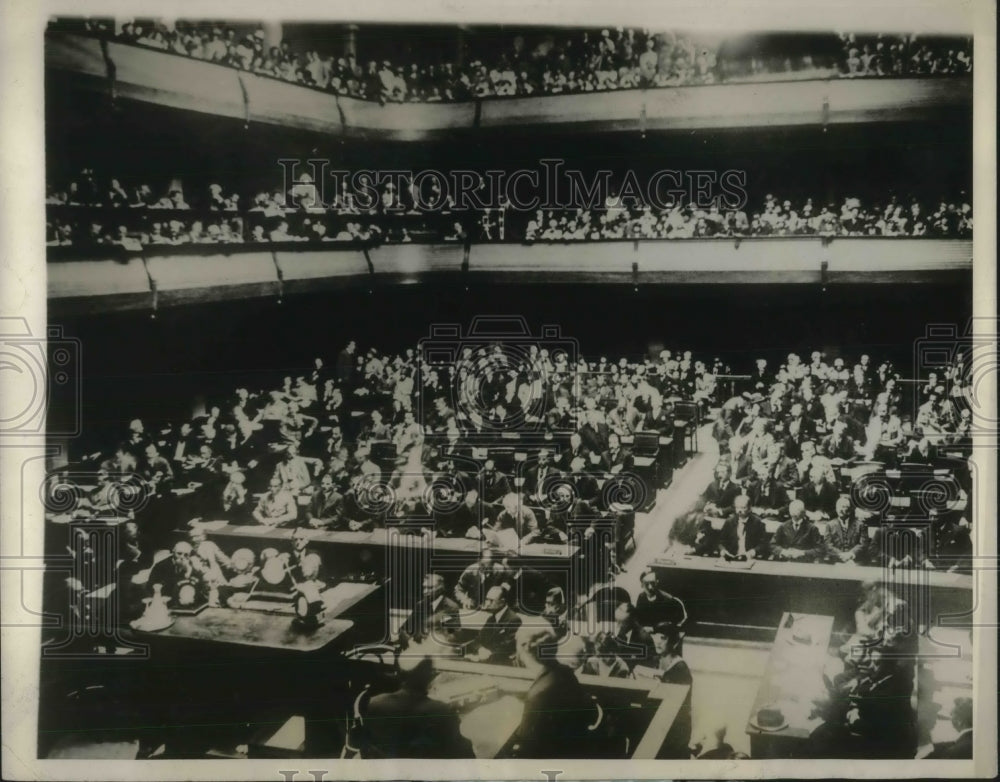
(555, 62)
(215, 216)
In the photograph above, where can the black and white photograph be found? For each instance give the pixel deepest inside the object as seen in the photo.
(543, 392)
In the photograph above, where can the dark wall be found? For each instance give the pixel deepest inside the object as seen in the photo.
(156, 368)
(146, 144)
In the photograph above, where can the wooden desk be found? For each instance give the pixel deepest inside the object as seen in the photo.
(645, 711)
(406, 558)
(792, 679)
(756, 595)
(270, 629)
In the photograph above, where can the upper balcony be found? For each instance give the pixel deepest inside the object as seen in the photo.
(163, 78)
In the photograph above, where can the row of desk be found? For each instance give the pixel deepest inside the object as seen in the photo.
(755, 594)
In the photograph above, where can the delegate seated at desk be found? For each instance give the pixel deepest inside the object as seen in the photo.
(744, 535)
(567, 510)
(277, 506)
(477, 579)
(846, 536)
(406, 723)
(182, 567)
(435, 614)
(798, 538)
(767, 495)
(293, 470)
(839, 444)
(517, 517)
(326, 506)
(819, 496)
(304, 564)
(495, 643)
(463, 521)
(721, 492)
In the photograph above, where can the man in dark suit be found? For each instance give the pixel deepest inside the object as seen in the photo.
(496, 639)
(435, 613)
(653, 606)
(839, 444)
(326, 506)
(846, 537)
(879, 714)
(183, 444)
(797, 539)
(182, 567)
(632, 644)
(721, 492)
(407, 723)
(798, 429)
(744, 535)
(538, 478)
(495, 484)
(960, 748)
(457, 523)
(557, 710)
(819, 495)
(616, 458)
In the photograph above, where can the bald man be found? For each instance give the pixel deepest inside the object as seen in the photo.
(797, 539)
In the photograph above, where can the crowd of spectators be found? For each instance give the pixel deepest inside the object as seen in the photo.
(876, 55)
(774, 217)
(91, 211)
(791, 444)
(376, 437)
(554, 62)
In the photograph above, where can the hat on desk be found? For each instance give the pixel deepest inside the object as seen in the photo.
(769, 717)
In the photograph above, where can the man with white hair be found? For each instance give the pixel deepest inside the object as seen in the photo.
(797, 539)
(182, 567)
(846, 536)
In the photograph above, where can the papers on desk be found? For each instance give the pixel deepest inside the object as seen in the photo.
(645, 672)
(735, 565)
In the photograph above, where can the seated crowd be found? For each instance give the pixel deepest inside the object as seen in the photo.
(828, 460)
(133, 215)
(375, 441)
(343, 448)
(544, 63)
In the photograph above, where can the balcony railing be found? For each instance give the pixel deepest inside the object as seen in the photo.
(136, 73)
